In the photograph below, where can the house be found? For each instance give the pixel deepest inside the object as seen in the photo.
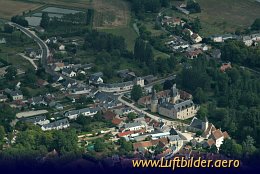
(188, 32)
(40, 120)
(247, 40)
(52, 40)
(32, 53)
(74, 114)
(196, 38)
(225, 66)
(149, 79)
(56, 125)
(41, 83)
(109, 115)
(58, 66)
(3, 41)
(218, 137)
(183, 110)
(62, 47)
(217, 38)
(59, 106)
(78, 90)
(134, 126)
(3, 98)
(57, 78)
(96, 78)
(37, 101)
(193, 54)
(171, 21)
(69, 73)
(15, 94)
(116, 87)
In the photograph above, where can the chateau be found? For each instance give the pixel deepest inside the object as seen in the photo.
(172, 104)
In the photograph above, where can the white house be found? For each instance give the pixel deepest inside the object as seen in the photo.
(56, 125)
(135, 126)
(74, 114)
(196, 38)
(69, 73)
(62, 47)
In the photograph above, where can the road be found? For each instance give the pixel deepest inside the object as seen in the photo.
(30, 60)
(158, 19)
(141, 111)
(41, 43)
(45, 50)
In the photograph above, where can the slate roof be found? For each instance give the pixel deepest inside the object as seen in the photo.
(56, 123)
(196, 123)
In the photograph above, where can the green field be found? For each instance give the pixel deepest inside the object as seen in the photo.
(127, 32)
(222, 16)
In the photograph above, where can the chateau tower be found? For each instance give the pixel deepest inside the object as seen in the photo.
(154, 102)
(175, 96)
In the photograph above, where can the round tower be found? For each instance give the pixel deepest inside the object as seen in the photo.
(154, 102)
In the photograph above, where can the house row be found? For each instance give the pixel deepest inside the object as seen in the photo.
(74, 114)
(172, 22)
(56, 125)
(121, 87)
(45, 124)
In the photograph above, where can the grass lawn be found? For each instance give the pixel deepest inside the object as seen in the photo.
(127, 32)
(161, 55)
(224, 16)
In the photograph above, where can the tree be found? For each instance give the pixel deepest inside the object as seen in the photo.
(11, 73)
(200, 96)
(2, 133)
(8, 28)
(45, 20)
(213, 149)
(127, 146)
(136, 92)
(99, 145)
(131, 116)
(248, 146)
(256, 24)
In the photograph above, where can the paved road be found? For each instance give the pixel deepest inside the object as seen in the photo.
(44, 48)
(41, 43)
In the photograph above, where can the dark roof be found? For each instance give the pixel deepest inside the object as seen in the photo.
(196, 123)
(33, 120)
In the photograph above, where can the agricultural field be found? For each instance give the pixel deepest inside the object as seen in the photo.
(222, 16)
(9, 8)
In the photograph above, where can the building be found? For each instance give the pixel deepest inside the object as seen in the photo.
(40, 120)
(183, 110)
(96, 78)
(135, 126)
(3, 98)
(154, 102)
(69, 73)
(139, 81)
(225, 66)
(171, 21)
(116, 87)
(74, 114)
(196, 38)
(15, 94)
(56, 125)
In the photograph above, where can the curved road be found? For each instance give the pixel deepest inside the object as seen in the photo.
(44, 48)
(41, 43)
